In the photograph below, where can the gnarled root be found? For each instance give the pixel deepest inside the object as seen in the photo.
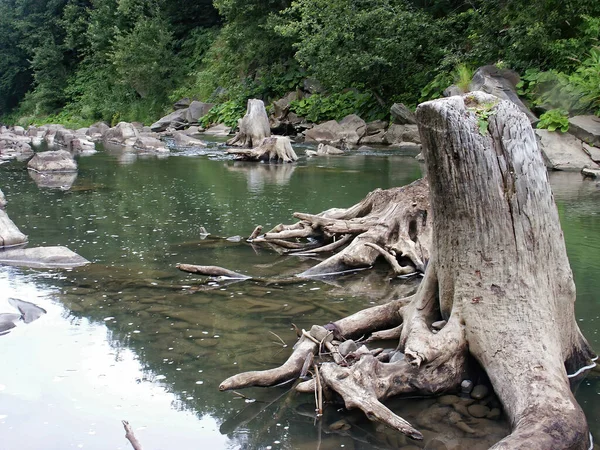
(273, 148)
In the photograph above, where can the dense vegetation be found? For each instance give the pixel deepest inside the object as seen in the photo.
(78, 61)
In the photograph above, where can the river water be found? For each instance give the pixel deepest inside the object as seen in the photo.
(130, 337)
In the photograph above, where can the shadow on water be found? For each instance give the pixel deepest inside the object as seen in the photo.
(135, 339)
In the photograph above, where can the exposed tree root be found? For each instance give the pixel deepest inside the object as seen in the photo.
(497, 283)
(273, 148)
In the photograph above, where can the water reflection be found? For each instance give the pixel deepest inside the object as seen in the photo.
(130, 337)
(49, 180)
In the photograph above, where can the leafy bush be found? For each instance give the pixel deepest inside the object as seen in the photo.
(555, 119)
(228, 113)
(318, 108)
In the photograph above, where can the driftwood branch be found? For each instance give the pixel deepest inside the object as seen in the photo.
(130, 436)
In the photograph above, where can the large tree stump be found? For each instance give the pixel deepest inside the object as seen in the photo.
(253, 127)
(274, 148)
(498, 275)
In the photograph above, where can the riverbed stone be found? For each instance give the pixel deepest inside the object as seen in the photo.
(466, 387)
(2, 200)
(197, 110)
(347, 347)
(478, 411)
(10, 235)
(563, 151)
(177, 120)
(353, 129)
(43, 258)
(592, 151)
(479, 392)
(402, 115)
(53, 161)
(586, 128)
(320, 333)
(218, 130)
(326, 149)
(149, 144)
(326, 132)
(448, 400)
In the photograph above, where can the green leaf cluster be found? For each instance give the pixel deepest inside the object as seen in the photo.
(319, 107)
(555, 119)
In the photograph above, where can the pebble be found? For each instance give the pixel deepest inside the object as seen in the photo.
(438, 325)
(466, 386)
(397, 356)
(448, 399)
(478, 411)
(340, 425)
(494, 414)
(479, 391)
(320, 333)
(347, 347)
(362, 350)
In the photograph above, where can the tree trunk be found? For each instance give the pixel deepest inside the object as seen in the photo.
(253, 127)
(498, 275)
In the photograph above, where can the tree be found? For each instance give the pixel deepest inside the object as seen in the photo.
(498, 276)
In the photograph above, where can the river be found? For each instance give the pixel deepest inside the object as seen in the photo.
(130, 337)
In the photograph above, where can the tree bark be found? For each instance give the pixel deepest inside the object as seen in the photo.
(498, 274)
(253, 127)
(274, 148)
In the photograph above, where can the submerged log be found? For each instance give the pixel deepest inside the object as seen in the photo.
(253, 127)
(498, 275)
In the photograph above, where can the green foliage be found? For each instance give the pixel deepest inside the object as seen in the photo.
(228, 113)
(318, 108)
(555, 119)
(483, 112)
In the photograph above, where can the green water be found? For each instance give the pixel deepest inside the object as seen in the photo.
(130, 337)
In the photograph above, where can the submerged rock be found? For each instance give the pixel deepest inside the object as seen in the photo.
(53, 180)
(56, 257)
(218, 130)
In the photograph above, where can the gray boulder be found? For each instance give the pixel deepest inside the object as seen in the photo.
(176, 120)
(193, 131)
(81, 146)
(10, 235)
(329, 131)
(149, 144)
(55, 161)
(19, 131)
(183, 140)
(43, 258)
(501, 83)
(401, 115)
(375, 132)
(218, 130)
(63, 137)
(586, 128)
(563, 151)
(97, 130)
(2, 200)
(402, 134)
(123, 133)
(197, 110)
(14, 149)
(182, 103)
(353, 129)
(53, 180)
(592, 152)
(325, 149)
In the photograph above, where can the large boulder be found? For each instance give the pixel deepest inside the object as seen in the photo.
(14, 149)
(326, 132)
(181, 139)
(375, 132)
(501, 83)
(149, 144)
(43, 258)
(353, 129)
(55, 161)
(197, 110)
(176, 120)
(97, 130)
(401, 115)
(63, 137)
(563, 151)
(36, 134)
(81, 146)
(2, 200)
(182, 103)
(123, 133)
(402, 135)
(586, 128)
(10, 235)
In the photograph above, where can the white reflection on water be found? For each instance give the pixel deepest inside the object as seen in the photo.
(63, 386)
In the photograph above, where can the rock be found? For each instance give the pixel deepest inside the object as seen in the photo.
(320, 333)
(590, 173)
(397, 356)
(466, 386)
(494, 414)
(36, 134)
(376, 126)
(183, 140)
(281, 107)
(43, 258)
(502, 84)
(63, 137)
(326, 132)
(182, 103)
(149, 144)
(81, 146)
(53, 180)
(176, 120)
(29, 311)
(452, 90)
(563, 151)
(193, 131)
(325, 149)
(197, 110)
(218, 130)
(54, 161)
(479, 392)
(592, 152)
(97, 130)
(438, 325)
(448, 400)
(10, 149)
(2, 200)
(347, 347)
(401, 134)
(19, 131)
(10, 235)
(401, 115)
(313, 86)
(586, 128)
(123, 134)
(340, 425)
(311, 153)
(478, 411)
(353, 129)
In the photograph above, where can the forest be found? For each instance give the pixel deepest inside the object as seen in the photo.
(79, 61)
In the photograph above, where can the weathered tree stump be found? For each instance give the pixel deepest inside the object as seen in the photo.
(273, 148)
(253, 127)
(498, 274)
